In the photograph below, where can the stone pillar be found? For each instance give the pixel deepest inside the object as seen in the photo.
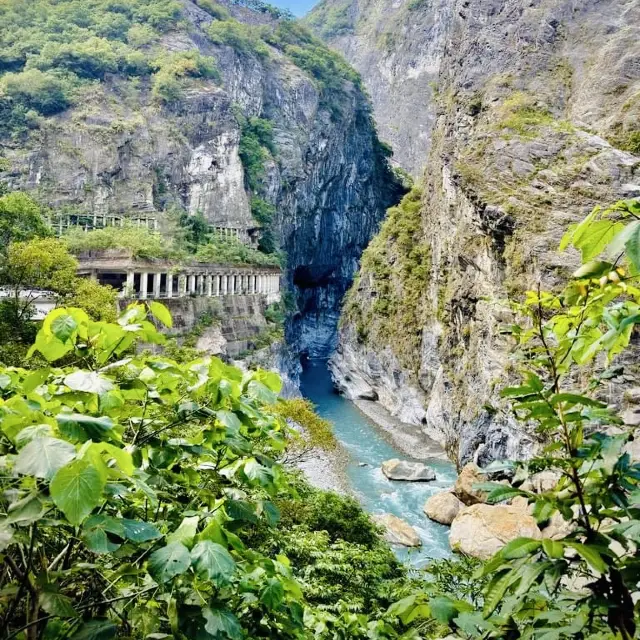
(192, 284)
(156, 284)
(130, 285)
(182, 285)
(250, 287)
(224, 285)
(144, 280)
(243, 284)
(169, 285)
(216, 285)
(232, 284)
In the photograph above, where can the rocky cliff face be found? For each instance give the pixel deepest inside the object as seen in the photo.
(538, 107)
(121, 150)
(398, 48)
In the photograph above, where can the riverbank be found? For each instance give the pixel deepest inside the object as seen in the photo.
(405, 437)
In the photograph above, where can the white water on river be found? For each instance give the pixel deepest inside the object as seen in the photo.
(367, 448)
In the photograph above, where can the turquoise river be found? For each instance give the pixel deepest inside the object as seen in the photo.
(367, 447)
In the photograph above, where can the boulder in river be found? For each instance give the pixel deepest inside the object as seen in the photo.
(442, 507)
(481, 530)
(398, 531)
(471, 474)
(408, 471)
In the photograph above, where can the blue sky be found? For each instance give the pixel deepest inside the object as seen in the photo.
(299, 7)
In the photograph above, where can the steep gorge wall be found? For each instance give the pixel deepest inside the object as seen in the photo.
(398, 48)
(538, 110)
(120, 150)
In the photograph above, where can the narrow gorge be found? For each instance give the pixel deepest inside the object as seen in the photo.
(319, 322)
(529, 119)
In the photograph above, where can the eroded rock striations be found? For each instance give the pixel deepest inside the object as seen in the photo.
(121, 150)
(538, 106)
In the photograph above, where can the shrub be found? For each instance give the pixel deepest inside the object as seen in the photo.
(44, 92)
(214, 9)
(20, 219)
(230, 250)
(256, 142)
(140, 241)
(241, 37)
(167, 83)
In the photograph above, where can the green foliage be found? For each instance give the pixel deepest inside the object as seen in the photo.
(167, 81)
(48, 49)
(20, 219)
(97, 300)
(229, 250)
(330, 20)
(140, 241)
(399, 263)
(256, 144)
(42, 263)
(244, 38)
(586, 583)
(317, 433)
(522, 114)
(214, 9)
(144, 496)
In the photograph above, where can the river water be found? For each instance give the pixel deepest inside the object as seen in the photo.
(367, 448)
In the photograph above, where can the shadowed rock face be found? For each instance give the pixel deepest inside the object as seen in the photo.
(119, 151)
(537, 103)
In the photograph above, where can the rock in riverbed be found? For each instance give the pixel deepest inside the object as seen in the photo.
(408, 471)
(442, 507)
(397, 531)
(482, 530)
(470, 475)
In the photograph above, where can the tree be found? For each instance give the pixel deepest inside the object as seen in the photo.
(20, 219)
(41, 264)
(97, 300)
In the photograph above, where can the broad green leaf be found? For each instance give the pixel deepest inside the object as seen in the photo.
(138, 531)
(25, 511)
(261, 392)
(272, 594)
(593, 269)
(5, 381)
(63, 327)
(88, 381)
(443, 609)
(56, 604)
(499, 492)
(121, 456)
(270, 379)
(553, 548)
(76, 490)
(632, 246)
(213, 561)
(96, 630)
(221, 623)
(34, 380)
(255, 472)
(495, 590)
(630, 529)
(95, 532)
(241, 510)
(161, 312)
(168, 562)
(590, 555)
(79, 427)
(519, 548)
(229, 420)
(186, 532)
(43, 457)
(271, 513)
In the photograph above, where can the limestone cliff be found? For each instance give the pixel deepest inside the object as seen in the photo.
(398, 48)
(124, 149)
(538, 107)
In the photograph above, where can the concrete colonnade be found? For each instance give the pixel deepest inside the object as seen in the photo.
(164, 284)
